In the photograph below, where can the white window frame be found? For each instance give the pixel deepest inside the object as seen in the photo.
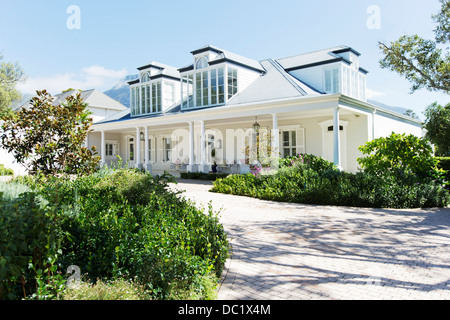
(113, 147)
(300, 138)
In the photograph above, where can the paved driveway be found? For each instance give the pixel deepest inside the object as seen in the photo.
(294, 251)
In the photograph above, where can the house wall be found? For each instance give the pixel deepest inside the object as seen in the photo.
(314, 76)
(245, 77)
(101, 113)
(385, 125)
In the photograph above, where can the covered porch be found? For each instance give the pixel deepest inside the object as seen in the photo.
(234, 138)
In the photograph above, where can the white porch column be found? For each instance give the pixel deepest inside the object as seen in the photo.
(190, 167)
(147, 165)
(203, 166)
(373, 123)
(138, 149)
(336, 139)
(275, 136)
(103, 149)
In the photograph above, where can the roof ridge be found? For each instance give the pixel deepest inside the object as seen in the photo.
(278, 67)
(331, 49)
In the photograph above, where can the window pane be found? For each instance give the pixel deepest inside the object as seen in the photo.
(147, 100)
(205, 88)
(153, 97)
(328, 81)
(198, 89)
(286, 138)
(221, 85)
(293, 138)
(286, 152)
(213, 87)
(158, 101)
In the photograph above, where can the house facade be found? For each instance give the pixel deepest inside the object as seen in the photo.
(233, 111)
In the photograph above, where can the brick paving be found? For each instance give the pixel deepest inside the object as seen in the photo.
(293, 251)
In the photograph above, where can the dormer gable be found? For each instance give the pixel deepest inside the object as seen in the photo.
(156, 89)
(333, 70)
(215, 76)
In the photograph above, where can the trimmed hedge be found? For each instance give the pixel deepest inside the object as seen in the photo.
(313, 180)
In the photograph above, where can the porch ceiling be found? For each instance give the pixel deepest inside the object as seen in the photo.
(248, 120)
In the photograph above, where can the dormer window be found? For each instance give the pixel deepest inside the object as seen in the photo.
(201, 63)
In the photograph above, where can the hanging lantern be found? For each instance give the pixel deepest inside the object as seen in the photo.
(256, 126)
(142, 136)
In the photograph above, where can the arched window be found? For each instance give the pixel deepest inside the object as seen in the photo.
(145, 77)
(201, 63)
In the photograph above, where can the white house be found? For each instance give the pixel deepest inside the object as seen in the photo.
(310, 103)
(99, 104)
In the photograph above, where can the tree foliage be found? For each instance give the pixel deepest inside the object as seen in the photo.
(422, 62)
(437, 124)
(10, 75)
(49, 138)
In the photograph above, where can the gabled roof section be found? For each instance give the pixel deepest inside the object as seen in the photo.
(316, 58)
(226, 56)
(94, 98)
(274, 84)
(161, 70)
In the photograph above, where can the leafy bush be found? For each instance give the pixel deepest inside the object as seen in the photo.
(443, 163)
(126, 223)
(112, 224)
(403, 152)
(29, 246)
(5, 171)
(313, 180)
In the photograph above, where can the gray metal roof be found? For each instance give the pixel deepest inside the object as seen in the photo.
(93, 97)
(274, 84)
(307, 59)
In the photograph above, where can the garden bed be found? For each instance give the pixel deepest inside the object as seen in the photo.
(113, 225)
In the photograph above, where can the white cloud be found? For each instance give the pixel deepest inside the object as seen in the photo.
(93, 77)
(372, 94)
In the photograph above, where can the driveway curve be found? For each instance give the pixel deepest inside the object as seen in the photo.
(297, 252)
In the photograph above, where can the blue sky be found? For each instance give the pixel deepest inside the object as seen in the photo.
(116, 37)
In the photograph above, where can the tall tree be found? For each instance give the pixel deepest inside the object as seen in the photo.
(10, 75)
(49, 138)
(422, 62)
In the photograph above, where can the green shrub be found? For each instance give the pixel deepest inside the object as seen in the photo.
(127, 223)
(29, 246)
(396, 152)
(443, 163)
(6, 171)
